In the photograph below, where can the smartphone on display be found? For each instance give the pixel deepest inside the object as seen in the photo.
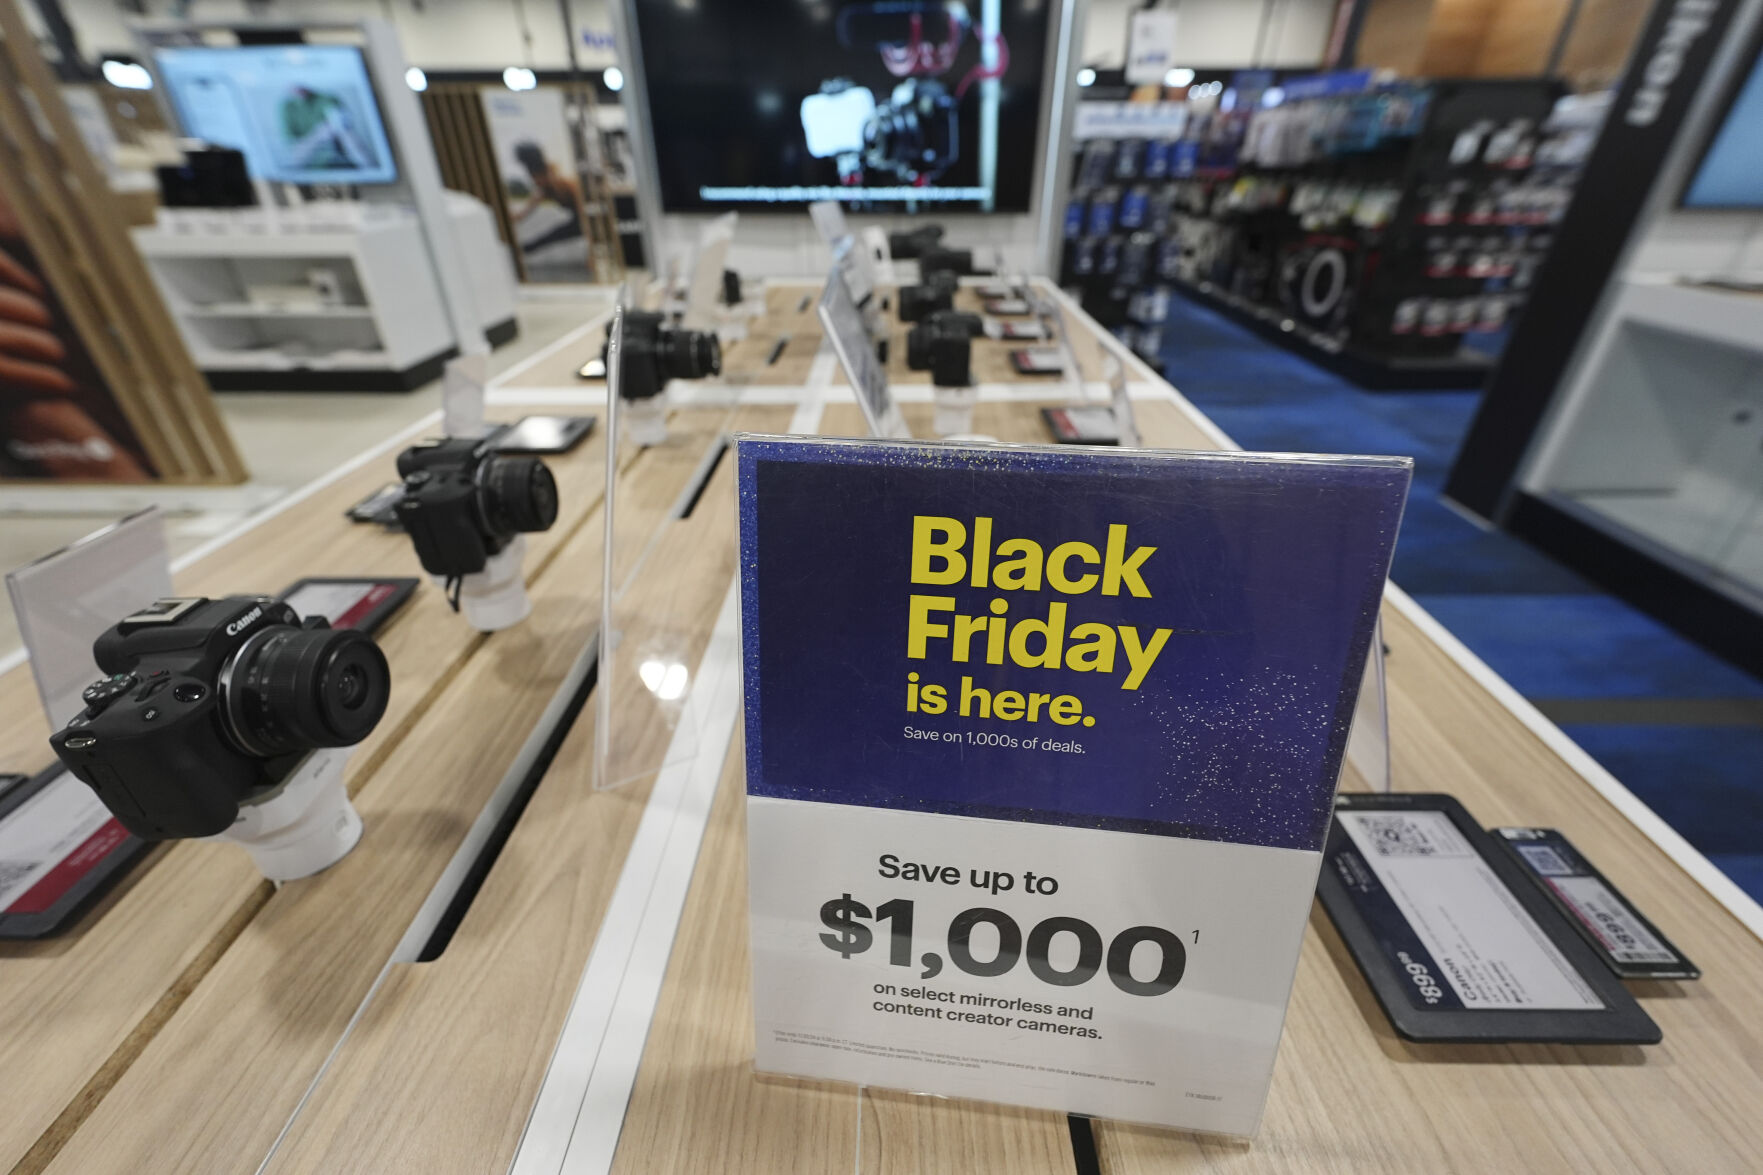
(1628, 942)
(1037, 361)
(379, 507)
(543, 434)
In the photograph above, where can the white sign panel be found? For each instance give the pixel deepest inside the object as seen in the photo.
(1151, 47)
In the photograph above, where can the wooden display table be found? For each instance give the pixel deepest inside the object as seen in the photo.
(589, 996)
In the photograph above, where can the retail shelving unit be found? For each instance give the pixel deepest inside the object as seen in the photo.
(1373, 228)
(320, 306)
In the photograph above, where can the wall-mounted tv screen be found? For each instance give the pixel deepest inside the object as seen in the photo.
(884, 105)
(1731, 172)
(301, 114)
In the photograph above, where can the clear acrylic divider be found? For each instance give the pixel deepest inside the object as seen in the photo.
(1368, 740)
(65, 600)
(648, 636)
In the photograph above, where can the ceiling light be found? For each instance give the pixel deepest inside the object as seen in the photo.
(516, 77)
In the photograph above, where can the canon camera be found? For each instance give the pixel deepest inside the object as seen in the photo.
(210, 703)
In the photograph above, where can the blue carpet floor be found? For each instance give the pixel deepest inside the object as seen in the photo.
(1680, 727)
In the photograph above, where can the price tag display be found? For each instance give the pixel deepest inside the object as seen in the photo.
(1038, 818)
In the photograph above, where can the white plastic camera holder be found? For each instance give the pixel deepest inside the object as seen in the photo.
(495, 598)
(303, 826)
(647, 419)
(954, 410)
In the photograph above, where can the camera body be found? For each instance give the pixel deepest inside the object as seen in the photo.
(943, 345)
(463, 503)
(210, 702)
(656, 351)
(936, 292)
(937, 259)
(905, 246)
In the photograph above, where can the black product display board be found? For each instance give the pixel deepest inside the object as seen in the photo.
(1457, 942)
(1371, 229)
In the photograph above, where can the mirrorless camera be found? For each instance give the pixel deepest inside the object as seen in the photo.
(464, 504)
(212, 704)
(943, 344)
(936, 292)
(656, 351)
(905, 246)
(958, 262)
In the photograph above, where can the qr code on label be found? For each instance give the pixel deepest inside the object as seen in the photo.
(1398, 834)
(1546, 861)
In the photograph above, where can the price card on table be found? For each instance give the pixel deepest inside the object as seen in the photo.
(1041, 750)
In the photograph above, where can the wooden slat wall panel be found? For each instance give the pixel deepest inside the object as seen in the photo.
(82, 240)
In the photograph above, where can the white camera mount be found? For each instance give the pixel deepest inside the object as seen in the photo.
(495, 598)
(953, 416)
(646, 419)
(305, 825)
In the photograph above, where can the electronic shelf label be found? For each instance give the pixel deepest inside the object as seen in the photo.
(1041, 747)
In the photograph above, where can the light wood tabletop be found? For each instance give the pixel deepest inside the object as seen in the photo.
(201, 1021)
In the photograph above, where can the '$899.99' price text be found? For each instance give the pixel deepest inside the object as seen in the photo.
(848, 935)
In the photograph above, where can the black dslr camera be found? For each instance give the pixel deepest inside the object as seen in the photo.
(463, 503)
(942, 345)
(905, 246)
(656, 351)
(936, 292)
(210, 702)
(940, 260)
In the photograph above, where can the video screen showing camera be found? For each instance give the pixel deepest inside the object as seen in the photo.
(301, 114)
(883, 105)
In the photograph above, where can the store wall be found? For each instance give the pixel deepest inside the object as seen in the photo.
(1219, 33)
(444, 34)
(1500, 38)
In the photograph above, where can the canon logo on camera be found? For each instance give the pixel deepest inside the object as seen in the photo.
(245, 621)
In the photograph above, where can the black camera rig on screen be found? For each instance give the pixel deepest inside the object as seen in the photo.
(656, 351)
(468, 510)
(230, 719)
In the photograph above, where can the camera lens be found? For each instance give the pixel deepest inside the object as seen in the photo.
(293, 689)
(519, 494)
(691, 354)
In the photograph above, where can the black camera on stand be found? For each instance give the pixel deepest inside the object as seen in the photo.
(655, 352)
(215, 719)
(466, 509)
(906, 246)
(958, 262)
(935, 293)
(943, 345)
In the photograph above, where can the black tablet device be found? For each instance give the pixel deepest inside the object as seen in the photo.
(1082, 424)
(60, 849)
(350, 601)
(542, 434)
(1037, 361)
(1456, 942)
(380, 507)
(1629, 944)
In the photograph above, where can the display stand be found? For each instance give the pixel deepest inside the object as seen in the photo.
(304, 825)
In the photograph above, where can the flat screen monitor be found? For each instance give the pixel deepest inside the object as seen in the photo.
(884, 105)
(301, 114)
(1731, 172)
